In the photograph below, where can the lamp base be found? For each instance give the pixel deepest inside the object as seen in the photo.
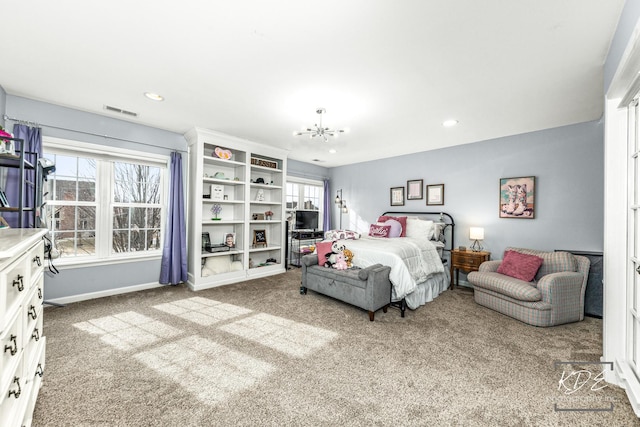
(476, 246)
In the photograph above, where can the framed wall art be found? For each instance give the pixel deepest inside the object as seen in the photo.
(435, 194)
(414, 189)
(397, 196)
(517, 197)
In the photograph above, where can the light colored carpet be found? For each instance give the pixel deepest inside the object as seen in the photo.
(259, 353)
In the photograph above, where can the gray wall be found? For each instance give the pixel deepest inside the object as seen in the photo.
(307, 170)
(567, 163)
(81, 280)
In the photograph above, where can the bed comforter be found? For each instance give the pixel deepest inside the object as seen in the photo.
(412, 261)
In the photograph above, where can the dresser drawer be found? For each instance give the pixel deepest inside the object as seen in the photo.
(14, 285)
(11, 344)
(13, 400)
(34, 374)
(36, 259)
(468, 261)
(33, 337)
(32, 311)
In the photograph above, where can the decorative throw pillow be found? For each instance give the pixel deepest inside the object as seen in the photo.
(396, 227)
(323, 248)
(520, 266)
(419, 228)
(376, 230)
(401, 219)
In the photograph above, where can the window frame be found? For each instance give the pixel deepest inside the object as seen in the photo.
(302, 183)
(104, 197)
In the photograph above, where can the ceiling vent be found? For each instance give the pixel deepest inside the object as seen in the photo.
(120, 111)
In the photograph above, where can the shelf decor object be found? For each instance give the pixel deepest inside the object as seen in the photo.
(215, 210)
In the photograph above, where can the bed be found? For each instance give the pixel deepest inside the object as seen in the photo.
(417, 260)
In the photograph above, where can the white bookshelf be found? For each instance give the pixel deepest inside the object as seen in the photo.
(248, 191)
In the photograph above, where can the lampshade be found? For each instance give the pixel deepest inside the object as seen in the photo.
(476, 233)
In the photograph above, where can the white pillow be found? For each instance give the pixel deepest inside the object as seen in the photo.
(419, 228)
(218, 264)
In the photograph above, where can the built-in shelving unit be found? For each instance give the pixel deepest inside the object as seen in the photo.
(244, 180)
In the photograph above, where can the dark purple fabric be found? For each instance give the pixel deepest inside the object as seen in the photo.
(174, 252)
(33, 147)
(326, 205)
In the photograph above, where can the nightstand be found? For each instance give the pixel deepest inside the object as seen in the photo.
(466, 261)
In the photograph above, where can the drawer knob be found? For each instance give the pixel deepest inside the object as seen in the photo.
(18, 282)
(32, 312)
(36, 334)
(13, 348)
(39, 293)
(37, 260)
(39, 370)
(16, 393)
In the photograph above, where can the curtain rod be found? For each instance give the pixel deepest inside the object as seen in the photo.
(39, 125)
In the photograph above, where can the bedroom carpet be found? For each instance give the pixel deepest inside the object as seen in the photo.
(259, 353)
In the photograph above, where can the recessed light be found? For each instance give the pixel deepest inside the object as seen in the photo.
(333, 151)
(449, 123)
(154, 96)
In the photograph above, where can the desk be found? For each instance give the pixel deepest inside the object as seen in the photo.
(301, 237)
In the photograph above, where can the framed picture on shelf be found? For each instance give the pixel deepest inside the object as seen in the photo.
(517, 197)
(435, 194)
(259, 238)
(414, 189)
(230, 239)
(397, 196)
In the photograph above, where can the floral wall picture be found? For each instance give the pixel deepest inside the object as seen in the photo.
(517, 197)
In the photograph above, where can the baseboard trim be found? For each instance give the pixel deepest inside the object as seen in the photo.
(101, 294)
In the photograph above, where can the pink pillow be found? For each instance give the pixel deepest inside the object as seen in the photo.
(520, 266)
(401, 219)
(376, 230)
(396, 227)
(323, 248)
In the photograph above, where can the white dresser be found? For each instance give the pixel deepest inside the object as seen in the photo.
(22, 341)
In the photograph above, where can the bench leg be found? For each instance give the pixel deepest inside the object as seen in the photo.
(303, 290)
(384, 309)
(371, 314)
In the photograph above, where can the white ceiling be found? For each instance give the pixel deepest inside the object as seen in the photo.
(390, 70)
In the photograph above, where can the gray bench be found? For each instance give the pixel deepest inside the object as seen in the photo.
(368, 288)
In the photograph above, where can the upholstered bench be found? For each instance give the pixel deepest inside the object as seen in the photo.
(367, 288)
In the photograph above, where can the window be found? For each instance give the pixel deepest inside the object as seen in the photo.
(102, 205)
(305, 194)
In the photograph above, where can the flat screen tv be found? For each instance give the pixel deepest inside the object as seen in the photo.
(306, 220)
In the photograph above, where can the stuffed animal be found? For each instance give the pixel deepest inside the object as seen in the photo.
(341, 263)
(348, 257)
(332, 257)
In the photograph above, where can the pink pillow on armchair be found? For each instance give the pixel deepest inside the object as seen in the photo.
(520, 266)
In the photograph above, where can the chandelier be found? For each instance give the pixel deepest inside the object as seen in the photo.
(319, 130)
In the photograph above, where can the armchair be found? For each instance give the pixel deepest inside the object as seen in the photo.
(555, 295)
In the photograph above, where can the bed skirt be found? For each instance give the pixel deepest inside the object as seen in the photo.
(428, 290)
